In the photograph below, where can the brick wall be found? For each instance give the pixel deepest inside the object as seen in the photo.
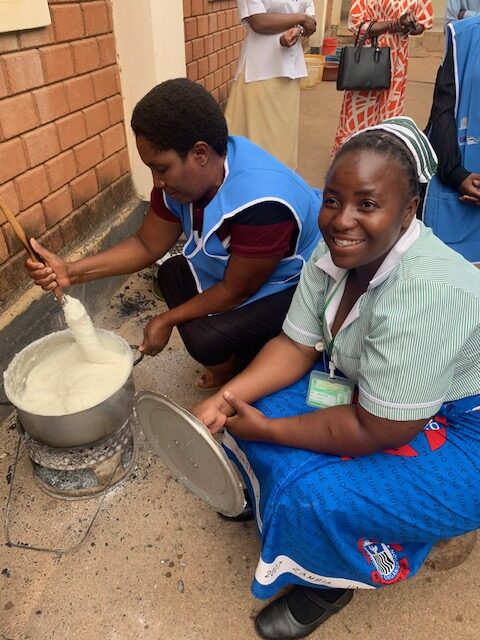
(63, 156)
(213, 37)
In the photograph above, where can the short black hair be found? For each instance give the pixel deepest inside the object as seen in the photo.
(178, 113)
(389, 145)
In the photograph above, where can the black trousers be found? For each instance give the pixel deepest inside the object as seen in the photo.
(212, 340)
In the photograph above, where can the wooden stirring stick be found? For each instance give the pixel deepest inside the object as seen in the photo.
(20, 233)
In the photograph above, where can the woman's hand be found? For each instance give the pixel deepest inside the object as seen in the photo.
(309, 23)
(213, 412)
(156, 335)
(50, 274)
(291, 37)
(248, 423)
(469, 189)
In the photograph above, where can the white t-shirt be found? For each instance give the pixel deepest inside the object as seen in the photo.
(262, 56)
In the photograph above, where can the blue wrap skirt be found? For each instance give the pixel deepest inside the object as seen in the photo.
(366, 522)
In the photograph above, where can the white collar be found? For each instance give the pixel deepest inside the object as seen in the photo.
(385, 269)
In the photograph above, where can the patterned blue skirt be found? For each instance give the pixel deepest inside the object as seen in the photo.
(365, 522)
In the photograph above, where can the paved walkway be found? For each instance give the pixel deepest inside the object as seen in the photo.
(158, 564)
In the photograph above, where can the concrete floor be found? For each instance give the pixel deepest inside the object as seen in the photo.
(157, 563)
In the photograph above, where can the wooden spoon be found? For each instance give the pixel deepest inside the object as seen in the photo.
(20, 233)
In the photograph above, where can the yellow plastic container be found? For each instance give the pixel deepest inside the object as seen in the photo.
(315, 63)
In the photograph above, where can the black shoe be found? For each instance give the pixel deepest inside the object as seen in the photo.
(246, 515)
(276, 621)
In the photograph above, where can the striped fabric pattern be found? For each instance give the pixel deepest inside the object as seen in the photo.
(415, 342)
(416, 142)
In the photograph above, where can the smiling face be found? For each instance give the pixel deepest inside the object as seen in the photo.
(366, 208)
(191, 179)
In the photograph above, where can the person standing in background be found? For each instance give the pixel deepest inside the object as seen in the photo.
(453, 195)
(395, 21)
(264, 101)
(460, 9)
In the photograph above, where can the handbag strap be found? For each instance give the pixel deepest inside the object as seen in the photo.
(365, 35)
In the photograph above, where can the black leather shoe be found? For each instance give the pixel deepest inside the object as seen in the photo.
(276, 621)
(244, 516)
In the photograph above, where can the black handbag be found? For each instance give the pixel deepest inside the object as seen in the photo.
(364, 68)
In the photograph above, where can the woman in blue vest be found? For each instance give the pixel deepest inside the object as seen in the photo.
(453, 195)
(250, 224)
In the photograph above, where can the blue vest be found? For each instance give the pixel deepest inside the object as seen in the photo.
(454, 222)
(251, 176)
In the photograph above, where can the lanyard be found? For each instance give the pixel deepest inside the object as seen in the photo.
(320, 346)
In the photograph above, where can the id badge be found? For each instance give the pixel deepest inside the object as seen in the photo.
(324, 392)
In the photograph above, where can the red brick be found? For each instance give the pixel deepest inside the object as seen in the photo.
(41, 144)
(190, 26)
(33, 224)
(3, 84)
(212, 22)
(192, 71)
(95, 16)
(236, 50)
(23, 70)
(202, 67)
(4, 252)
(231, 18)
(57, 62)
(221, 20)
(86, 56)
(225, 38)
(208, 45)
(36, 37)
(88, 154)
(67, 22)
(115, 110)
(197, 7)
(17, 115)
(105, 82)
(187, 8)
(110, 15)
(222, 58)
(57, 206)
(124, 161)
(9, 195)
(218, 77)
(108, 171)
(14, 160)
(240, 33)
(209, 82)
(229, 54)
(51, 102)
(113, 140)
(217, 41)
(8, 42)
(197, 48)
(61, 170)
(107, 50)
(32, 186)
(213, 62)
(83, 188)
(188, 51)
(202, 25)
(226, 75)
(97, 118)
(80, 92)
(215, 94)
(71, 130)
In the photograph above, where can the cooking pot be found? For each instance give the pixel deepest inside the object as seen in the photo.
(82, 427)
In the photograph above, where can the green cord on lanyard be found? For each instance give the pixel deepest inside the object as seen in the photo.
(321, 346)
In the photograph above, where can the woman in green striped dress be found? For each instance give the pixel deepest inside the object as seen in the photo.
(356, 468)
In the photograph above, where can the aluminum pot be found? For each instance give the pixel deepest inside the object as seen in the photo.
(73, 429)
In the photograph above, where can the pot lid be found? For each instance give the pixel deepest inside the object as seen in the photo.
(190, 452)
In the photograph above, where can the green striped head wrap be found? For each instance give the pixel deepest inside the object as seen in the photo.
(416, 142)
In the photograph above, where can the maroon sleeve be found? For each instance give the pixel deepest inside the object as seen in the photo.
(264, 230)
(158, 206)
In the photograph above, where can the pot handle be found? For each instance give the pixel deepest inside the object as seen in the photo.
(140, 356)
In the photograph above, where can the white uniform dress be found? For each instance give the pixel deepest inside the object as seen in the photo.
(264, 100)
